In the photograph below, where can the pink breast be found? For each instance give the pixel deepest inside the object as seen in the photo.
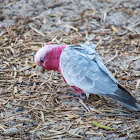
(78, 90)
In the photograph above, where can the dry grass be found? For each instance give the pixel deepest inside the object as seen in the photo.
(35, 103)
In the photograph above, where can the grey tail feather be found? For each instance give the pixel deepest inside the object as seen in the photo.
(125, 98)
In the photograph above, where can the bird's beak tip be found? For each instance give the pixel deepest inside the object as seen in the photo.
(40, 68)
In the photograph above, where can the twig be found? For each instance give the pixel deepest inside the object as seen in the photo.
(112, 58)
(124, 115)
(37, 31)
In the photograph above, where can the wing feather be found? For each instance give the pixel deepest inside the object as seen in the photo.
(84, 72)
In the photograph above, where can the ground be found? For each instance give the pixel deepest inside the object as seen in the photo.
(34, 105)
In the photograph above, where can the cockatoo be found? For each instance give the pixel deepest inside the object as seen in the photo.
(83, 69)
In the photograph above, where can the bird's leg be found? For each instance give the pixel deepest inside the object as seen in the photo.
(79, 92)
(71, 92)
(83, 96)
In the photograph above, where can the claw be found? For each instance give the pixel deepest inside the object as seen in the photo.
(71, 92)
(83, 96)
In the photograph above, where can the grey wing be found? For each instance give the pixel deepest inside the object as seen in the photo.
(103, 67)
(78, 70)
(90, 47)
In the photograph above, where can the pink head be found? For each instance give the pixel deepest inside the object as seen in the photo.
(48, 56)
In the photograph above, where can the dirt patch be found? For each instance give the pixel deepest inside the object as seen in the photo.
(33, 105)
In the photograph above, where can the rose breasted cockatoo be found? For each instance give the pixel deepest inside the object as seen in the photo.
(83, 69)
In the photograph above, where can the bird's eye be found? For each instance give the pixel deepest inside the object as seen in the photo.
(41, 61)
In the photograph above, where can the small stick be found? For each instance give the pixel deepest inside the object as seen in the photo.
(112, 58)
(124, 115)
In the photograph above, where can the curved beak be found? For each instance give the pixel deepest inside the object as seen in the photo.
(40, 69)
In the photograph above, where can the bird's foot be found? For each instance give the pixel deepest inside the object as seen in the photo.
(73, 93)
(83, 96)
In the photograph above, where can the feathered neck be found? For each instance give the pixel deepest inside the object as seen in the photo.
(53, 57)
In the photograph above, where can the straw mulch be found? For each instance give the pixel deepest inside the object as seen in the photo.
(34, 105)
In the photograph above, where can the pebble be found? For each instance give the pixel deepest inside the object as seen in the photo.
(20, 109)
(11, 131)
